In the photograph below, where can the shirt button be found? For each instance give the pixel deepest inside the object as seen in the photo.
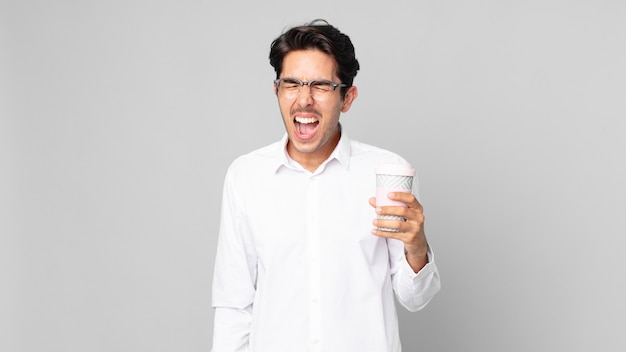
(316, 341)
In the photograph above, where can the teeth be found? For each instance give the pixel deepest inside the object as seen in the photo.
(306, 119)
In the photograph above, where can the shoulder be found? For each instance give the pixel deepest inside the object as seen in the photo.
(374, 154)
(260, 161)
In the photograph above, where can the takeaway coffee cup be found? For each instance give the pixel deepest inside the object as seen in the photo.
(392, 178)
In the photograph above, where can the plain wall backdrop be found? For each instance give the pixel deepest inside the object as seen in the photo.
(118, 120)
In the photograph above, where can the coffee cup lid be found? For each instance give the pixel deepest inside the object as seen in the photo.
(395, 169)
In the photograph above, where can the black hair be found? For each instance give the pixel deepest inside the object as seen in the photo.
(320, 35)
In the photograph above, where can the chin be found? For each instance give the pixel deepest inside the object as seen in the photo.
(305, 148)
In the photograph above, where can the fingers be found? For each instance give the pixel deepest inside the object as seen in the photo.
(405, 224)
(407, 198)
(412, 218)
(409, 232)
(388, 228)
(404, 197)
(409, 214)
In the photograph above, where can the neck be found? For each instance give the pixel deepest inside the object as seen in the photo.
(311, 161)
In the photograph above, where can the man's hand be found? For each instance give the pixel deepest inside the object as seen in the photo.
(411, 231)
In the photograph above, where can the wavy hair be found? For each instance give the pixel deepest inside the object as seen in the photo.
(319, 35)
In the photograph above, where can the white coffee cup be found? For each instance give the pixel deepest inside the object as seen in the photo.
(392, 178)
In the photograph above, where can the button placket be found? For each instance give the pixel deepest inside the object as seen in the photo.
(313, 241)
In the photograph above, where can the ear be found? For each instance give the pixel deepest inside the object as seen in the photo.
(351, 94)
(275, 88)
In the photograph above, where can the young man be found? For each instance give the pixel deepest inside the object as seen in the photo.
(301, 265)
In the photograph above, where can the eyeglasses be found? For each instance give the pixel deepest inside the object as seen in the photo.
(289, 88)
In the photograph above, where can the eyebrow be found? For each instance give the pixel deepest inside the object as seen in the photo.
(313, 80)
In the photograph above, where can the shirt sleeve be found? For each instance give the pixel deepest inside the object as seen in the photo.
(231, 329)
(414, 290)
(234, 279)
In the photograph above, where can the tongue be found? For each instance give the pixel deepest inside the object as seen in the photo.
(307, 128)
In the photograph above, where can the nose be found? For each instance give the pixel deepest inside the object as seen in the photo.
(304, 97)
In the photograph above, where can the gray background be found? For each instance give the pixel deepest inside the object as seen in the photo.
(119, 119)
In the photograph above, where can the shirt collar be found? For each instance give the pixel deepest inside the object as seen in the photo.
(341, 154)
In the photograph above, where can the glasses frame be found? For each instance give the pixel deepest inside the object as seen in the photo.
(308, 83)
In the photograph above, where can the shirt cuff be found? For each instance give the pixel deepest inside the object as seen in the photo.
(425, 272)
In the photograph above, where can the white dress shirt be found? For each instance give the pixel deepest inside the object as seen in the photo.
(297, 267)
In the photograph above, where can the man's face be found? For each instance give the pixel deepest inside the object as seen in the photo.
(312, 126)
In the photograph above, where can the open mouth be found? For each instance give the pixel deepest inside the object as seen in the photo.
(306, 126)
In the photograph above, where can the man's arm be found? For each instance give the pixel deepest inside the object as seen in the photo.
(410, 231)
(415, 275)
(414, 290)
(231, 329)
(234, 276)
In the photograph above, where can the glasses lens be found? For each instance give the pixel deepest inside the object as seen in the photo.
(321, 90)
(289, 88)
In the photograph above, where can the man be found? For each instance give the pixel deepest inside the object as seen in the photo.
(301, 265)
